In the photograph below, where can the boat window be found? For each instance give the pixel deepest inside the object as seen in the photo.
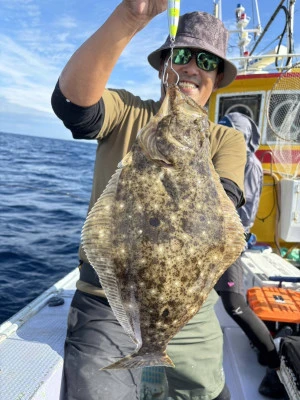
(246, 104)
(280, 108)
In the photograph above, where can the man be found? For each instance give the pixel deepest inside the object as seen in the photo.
(114, 117)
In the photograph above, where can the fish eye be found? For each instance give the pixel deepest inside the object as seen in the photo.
(154, 222)
(165, 313)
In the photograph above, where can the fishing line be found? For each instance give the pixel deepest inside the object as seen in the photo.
(173, 20)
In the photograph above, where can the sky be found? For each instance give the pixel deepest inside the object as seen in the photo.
(37, 38)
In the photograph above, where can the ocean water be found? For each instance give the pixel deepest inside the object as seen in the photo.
(44, 194)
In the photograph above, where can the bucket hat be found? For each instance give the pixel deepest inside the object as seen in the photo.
(202, 31)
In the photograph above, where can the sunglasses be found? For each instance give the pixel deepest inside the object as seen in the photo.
(204, 60)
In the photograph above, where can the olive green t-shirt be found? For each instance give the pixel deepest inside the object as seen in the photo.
(125, 114)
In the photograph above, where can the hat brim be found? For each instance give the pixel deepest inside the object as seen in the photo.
(230, 70)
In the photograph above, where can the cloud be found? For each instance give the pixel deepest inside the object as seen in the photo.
(23, 13)
(66, 22)
(146, 41)
(27, 79)
(149, 89)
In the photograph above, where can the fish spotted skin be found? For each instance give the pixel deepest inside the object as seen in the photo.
(163, 231)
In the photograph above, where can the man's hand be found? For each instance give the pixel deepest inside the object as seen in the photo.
(144, 10)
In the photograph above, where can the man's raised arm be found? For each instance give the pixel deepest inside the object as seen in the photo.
(85, 76)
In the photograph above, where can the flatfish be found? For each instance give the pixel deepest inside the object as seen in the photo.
(163, 231)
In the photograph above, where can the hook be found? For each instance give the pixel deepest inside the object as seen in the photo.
(170, 60)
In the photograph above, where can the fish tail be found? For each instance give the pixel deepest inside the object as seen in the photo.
(140, 361)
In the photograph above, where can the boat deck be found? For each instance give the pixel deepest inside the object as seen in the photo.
(31, 350)
(31, 358)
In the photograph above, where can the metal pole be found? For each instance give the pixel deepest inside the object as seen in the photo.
(258, 17)
(292, 20)
(218, 9)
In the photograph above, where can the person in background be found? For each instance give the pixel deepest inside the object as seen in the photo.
(230, 286)
(114, 117)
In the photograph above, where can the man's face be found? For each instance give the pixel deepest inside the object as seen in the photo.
(193, 81)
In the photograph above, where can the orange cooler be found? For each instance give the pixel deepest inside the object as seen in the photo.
(277, 307)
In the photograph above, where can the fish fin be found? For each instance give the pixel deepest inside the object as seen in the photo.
(126, 160)
(96, 239)
(140, 361)
(232, 225)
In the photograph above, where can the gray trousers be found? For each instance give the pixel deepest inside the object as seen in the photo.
(95, 339)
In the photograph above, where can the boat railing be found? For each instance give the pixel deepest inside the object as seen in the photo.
(264, 63)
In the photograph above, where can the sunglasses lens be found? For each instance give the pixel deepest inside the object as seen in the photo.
(207, 62)
(182, 56)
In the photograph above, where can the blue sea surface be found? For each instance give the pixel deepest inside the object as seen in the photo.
(45, 186)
